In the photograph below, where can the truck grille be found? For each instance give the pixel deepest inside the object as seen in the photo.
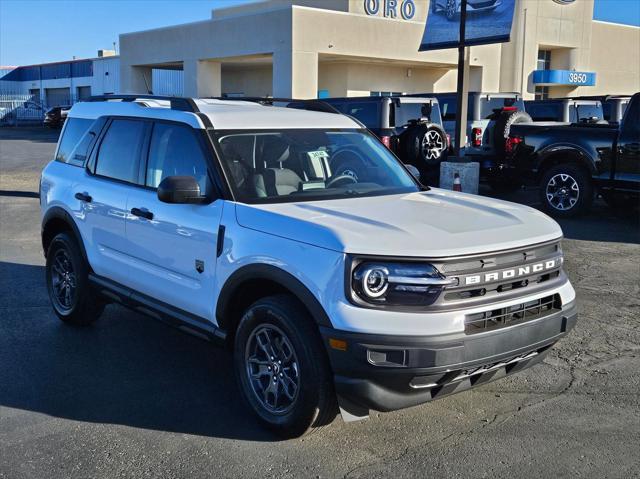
(512, 315)
(494, 277)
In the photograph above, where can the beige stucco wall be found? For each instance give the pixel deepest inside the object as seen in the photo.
(250, 81)
(617, 73)
(341, 49)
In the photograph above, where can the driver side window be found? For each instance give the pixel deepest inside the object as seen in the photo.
(176, 151)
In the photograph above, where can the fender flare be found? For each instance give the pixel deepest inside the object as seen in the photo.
(59, 213)
(583, 157)
(277, 275)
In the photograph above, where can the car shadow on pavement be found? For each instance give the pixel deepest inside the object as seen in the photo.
(124, 369)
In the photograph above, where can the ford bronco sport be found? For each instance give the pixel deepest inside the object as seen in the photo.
(238, 222)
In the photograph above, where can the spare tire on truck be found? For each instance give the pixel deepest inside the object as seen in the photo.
(424, 145)
(503, 127)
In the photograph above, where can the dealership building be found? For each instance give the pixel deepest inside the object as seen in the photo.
(318, 48)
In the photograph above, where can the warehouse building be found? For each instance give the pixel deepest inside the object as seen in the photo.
(316, 48)
(64, 83)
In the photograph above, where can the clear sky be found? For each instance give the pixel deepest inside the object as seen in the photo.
(36, 31)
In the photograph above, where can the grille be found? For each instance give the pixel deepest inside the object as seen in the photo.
(512, 315)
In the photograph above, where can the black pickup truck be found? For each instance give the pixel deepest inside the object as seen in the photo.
(572, 162)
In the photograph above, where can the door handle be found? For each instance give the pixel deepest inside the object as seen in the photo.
(142, 213)
(83, 197)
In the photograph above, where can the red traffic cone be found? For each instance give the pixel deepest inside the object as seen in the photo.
(457, 186)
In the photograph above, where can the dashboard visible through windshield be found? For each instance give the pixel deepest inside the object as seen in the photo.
(292, 165)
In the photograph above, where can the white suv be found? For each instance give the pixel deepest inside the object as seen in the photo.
(296, 237)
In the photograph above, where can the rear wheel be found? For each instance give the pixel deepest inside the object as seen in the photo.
(67, 276)
(282, 368)
(566, 190)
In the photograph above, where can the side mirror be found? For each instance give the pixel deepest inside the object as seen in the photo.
(181, 190)
(413, 170)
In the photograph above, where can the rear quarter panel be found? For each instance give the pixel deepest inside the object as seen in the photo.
(592, 145)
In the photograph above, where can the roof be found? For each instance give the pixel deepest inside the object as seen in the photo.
(223, 114)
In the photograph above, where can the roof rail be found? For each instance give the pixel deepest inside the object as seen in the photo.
(176, 102)
(311, 105)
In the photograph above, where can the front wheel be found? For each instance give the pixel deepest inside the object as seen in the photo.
(282, 368)
(566, 190)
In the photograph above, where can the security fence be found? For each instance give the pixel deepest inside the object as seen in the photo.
(29, 109)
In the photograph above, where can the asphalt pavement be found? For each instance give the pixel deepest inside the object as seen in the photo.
(131, 397)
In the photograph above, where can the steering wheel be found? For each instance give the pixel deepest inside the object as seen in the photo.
(343, 178)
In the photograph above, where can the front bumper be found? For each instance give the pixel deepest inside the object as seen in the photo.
(385, 373)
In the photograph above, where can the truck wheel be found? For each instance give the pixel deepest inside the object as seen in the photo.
(282, 367)
(67, 276)
(566, 190)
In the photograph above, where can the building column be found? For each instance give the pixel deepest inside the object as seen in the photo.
(295, 74)
(134, 79)
(202, 78)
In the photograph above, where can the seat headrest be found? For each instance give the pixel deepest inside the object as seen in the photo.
(275, 151)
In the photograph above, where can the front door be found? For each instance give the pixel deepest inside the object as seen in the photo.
(172, 247)
(627, 170)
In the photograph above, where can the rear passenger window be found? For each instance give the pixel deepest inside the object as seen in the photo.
(175, 151)
(120, 150)
(74, 130)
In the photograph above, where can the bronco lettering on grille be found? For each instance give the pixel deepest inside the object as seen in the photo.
(512, 272)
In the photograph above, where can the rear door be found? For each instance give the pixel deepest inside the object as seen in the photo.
(112, 173)
(627, 168)
(172, 247)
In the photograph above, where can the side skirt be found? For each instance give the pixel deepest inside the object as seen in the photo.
(183, 320)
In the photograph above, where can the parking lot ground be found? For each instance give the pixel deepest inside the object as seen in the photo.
(131, 397)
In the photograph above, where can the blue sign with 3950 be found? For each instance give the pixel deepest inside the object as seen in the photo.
(563, 77)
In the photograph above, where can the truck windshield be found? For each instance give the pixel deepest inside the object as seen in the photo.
(269, 166)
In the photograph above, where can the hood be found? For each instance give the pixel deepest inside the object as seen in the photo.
(433, 223)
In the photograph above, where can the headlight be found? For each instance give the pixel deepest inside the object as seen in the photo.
(397, 284)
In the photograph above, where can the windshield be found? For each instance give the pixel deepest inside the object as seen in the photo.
(309, 164)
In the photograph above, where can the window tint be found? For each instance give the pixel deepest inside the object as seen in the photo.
(448, 106)
(120, 150)
(74, 130)
(366, 112)
(631, 121)
(175, 151)
(589, 112)
(544, 111)
(487, 105)
(405, 112)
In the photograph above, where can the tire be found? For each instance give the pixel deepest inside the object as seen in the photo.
(503, 127)
(424, 146)
(67, 276)
(566, 190)
(310, 400)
